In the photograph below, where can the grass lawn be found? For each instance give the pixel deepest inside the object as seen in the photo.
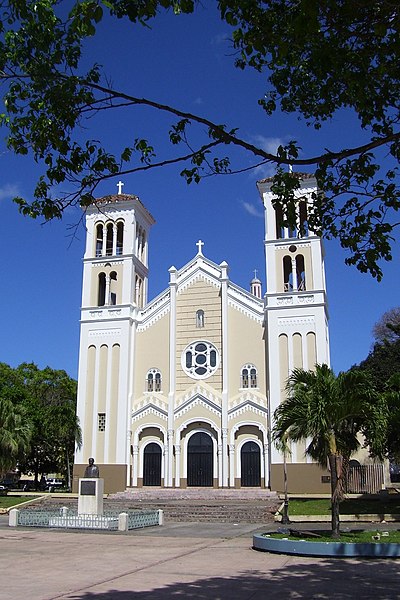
(361, 506)
(7, 501)
(345, 536)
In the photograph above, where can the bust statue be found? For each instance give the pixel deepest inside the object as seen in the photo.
(92, 470)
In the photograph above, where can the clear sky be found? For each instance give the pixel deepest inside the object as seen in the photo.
(187, 62)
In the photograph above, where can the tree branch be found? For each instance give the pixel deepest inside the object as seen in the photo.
(228, 138)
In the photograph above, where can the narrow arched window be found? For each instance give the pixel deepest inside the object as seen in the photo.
(153, 380)
(245, 378)
(287, 274)
(109, 239)
(113, 288)
(99, 239)
(253, 377)
(120, 237)
(143, 246)
(280, 232)
(139, 292)
(300, 273)
(150, 382)
(101, 295)
(200, 318)
(303, 218)
(157, 382)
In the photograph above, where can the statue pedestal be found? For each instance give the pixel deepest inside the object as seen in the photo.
(90, 499)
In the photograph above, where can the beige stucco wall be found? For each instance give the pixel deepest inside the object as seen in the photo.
(301, 478)
(152, 352)
(199, 295)
(246, 345)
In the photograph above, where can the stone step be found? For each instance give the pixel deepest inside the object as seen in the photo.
(194, 493)
(181, 509)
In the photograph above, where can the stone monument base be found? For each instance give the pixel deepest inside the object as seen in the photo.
(90, 498)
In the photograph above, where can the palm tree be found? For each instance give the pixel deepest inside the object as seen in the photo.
(328, 412)
(15, 433)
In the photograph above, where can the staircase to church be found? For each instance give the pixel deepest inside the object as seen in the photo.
(188, 505)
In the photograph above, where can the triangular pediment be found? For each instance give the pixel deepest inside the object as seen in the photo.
(149, 406)
(201, 395)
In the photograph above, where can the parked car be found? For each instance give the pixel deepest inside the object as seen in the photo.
(3, 490)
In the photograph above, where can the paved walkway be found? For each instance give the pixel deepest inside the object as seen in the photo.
(194, 561)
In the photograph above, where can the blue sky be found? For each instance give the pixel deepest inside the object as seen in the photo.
(187, 62)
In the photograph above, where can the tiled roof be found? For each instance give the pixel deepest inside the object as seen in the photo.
(117, 198)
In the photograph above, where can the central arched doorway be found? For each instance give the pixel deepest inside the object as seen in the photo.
(250, 465)
(200, 460)
(152, 464)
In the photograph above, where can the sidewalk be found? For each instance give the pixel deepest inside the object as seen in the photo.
(195, 561)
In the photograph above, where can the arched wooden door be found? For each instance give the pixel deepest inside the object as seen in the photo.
(152, 464)
(200, 460)
(251, 465)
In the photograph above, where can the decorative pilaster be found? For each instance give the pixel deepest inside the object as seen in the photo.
(135, 465)
(170, 452)
(220, 464)
(266, 465)
(172, 373)
(232, 465)
(225, 358)
(177, 465)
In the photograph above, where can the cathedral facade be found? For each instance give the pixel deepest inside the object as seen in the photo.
(180, 391)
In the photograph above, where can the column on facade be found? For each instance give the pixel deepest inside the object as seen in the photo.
(104, 248)
(266, 465)
(225, 384)
(172, 377)
(114, 248)
(177, 465)
(107, 291)
(220, 460)
(231, 465)
(131, 374)
(135, 464)
(294, 274)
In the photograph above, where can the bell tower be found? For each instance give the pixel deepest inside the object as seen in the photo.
(296, 307)
(115, 276)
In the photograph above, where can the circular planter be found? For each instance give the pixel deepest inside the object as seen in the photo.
(332, 549)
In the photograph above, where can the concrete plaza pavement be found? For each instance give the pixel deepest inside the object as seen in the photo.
(198, 561)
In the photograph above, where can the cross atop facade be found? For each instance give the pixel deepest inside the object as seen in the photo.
(120, 185)
(255, 273)
(199, 245)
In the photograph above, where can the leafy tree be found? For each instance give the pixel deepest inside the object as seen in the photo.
(317, 56)
(387, 329)
(328, 412)
(15, 433)
(50, 405)
(381, 363)
(391, 398)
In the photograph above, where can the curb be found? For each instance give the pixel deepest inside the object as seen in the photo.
(333, 549)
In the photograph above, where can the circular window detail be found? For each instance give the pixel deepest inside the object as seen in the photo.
(200, 360)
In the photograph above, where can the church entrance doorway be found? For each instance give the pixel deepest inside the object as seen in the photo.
(152, 465)
(200, 460)
(251, 465)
